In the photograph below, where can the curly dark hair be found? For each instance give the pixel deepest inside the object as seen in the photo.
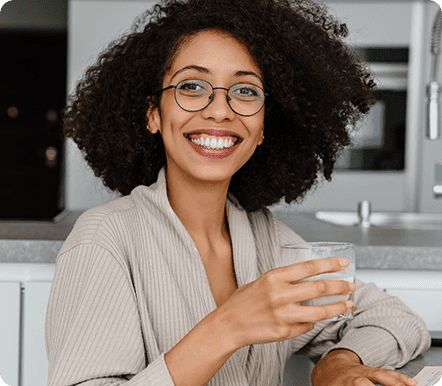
(318, 89)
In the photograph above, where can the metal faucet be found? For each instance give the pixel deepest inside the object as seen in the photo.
(434, 88)
(364, 213)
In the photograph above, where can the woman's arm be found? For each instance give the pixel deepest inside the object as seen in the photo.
(383, 333)
(265, 310)
(94, 336)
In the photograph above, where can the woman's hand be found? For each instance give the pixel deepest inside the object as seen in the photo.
(343, 368)
(269, 309)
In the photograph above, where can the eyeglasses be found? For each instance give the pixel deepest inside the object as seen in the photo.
(244, 99)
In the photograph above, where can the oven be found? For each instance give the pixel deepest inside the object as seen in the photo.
(379, 139)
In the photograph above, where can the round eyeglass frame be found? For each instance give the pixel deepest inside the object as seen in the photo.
(212, 94)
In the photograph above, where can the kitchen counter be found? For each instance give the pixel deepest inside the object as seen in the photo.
(58, 229)
(40, 241)
(376, 248)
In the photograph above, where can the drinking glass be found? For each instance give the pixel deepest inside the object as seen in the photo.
(300, 252)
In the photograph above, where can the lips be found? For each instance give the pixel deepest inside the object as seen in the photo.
(215, 144)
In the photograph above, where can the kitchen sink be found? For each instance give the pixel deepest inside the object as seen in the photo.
(392, 220)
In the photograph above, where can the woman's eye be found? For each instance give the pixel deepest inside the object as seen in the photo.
(246, 93)
(192, 88)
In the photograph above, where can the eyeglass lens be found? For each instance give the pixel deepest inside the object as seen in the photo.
(196, 94)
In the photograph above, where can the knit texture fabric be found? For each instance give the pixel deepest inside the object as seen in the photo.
(129, 284)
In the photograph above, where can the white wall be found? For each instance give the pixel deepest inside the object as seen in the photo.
(374, 23)
(92, 24)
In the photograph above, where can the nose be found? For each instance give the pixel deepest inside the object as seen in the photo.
(218, 108)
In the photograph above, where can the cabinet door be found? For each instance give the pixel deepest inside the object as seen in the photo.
(9, 332)
(34, 358)
(419, 290)
(426, 303)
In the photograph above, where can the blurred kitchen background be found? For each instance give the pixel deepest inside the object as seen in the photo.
(46, 45)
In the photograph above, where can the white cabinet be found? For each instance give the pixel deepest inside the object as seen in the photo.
(419, 290)
(24, 294)
(9, 332)
(34, 360)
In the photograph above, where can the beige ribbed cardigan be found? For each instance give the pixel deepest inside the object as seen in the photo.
(129, 284)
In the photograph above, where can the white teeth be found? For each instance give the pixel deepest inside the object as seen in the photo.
(213, 143)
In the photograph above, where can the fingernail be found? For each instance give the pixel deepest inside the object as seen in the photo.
(349, 304)
(344, 262)
(411, 381)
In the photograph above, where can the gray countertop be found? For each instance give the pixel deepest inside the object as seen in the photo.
(376, 248)
(431, 357)
(40, 241)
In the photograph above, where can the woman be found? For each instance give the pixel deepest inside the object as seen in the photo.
(245, 102)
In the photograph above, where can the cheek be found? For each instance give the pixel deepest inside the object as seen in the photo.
(258, 127)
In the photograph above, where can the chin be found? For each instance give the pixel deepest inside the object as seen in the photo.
(212, 174)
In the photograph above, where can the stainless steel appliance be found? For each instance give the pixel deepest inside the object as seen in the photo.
(379, 140)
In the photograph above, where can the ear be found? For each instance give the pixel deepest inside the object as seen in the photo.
(261, 140)
(154, 120)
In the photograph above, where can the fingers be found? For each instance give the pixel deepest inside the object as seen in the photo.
(306, 269)
(323, 292)
(303, 292)
(389, 377)
(382, 377)
(318, 313)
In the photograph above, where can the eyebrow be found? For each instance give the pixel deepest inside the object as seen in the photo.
(206, 71)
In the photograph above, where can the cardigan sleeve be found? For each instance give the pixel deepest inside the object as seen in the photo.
(384, 332)
(93, 332)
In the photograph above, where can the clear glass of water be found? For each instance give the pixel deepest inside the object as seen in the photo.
(300, 252)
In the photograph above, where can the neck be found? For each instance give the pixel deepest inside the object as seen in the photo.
(200, 205)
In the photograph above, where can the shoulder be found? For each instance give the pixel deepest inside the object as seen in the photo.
(117, 224)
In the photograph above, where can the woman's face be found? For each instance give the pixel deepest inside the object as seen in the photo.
(222, 61)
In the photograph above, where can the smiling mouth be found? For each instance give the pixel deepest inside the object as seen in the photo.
(213, 142)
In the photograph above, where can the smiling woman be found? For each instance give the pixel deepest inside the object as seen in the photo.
(205, 114)
(316, 89)
(212, 116)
